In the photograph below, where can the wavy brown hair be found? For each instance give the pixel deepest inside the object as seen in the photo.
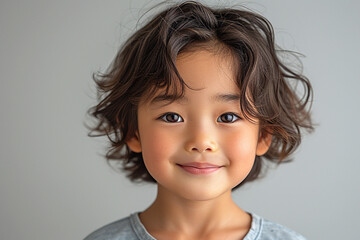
(146, 62)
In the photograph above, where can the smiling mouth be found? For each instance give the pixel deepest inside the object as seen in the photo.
(197, 168)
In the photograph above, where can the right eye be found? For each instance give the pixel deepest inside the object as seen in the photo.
(171, 118)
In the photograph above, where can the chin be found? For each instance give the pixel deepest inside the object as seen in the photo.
(203, 193)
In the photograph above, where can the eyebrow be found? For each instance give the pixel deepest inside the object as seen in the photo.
(182, 99)
(226, 98)
(168, 98)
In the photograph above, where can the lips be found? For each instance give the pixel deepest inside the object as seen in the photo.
(198, 168)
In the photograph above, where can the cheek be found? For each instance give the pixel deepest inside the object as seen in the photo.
(241, 143)
(240, 149)
(157, 147)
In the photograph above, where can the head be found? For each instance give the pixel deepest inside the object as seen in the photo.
(153, 64)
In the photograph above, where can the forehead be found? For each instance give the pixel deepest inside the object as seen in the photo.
(202, 69)
(203, 72)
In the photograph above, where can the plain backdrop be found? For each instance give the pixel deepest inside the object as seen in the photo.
(54, 182)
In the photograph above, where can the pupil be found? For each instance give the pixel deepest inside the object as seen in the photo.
(172, 117)
(227, 118)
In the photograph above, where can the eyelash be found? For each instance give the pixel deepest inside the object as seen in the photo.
(163, 117)
(232, 114)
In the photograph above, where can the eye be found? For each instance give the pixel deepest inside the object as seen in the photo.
(171, 117)
(228, 118)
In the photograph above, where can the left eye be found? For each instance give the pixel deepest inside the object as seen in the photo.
(171, 118)
(228, 118)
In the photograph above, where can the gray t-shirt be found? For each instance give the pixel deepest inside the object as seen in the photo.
(131, 228)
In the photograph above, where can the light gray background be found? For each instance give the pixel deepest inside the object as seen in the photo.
(55, 185)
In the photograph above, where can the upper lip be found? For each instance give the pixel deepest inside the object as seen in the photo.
(199, 165)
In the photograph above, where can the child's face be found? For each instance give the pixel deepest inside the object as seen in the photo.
(205, 127)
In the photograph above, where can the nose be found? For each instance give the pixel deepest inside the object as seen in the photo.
(201, 141)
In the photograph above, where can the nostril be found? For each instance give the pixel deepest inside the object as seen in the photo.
(201, 150)
(200, 147)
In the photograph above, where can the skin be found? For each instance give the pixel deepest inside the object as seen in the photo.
(200, 128)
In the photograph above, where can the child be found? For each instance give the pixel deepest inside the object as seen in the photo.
(195, 101)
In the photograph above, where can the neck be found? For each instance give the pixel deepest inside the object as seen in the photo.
(174, 213)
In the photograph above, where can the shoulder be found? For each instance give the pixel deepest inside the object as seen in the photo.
(263, 229)
(115, 230)
(126, 228)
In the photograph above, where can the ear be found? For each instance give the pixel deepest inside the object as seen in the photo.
(134, 143)
(263, 143)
